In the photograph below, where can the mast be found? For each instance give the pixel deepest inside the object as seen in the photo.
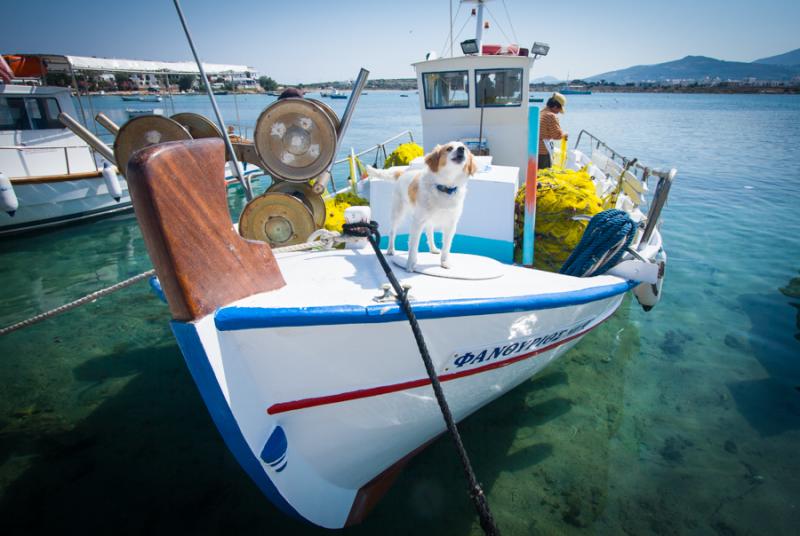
(479, 27)
(478, 12)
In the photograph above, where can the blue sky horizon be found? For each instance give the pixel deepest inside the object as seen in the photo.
(316, 41)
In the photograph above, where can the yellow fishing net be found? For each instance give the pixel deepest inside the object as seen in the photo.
(334, 208)
(403, 155)
(560, 195)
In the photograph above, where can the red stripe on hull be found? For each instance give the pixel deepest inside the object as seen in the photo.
(294, 405)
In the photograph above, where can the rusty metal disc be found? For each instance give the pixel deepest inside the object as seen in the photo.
(198, 126)
(295, 139)
(145, 131)
(276, 218)
(304, 193)
(329, 111)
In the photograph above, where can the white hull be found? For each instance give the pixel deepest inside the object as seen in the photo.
(47, 204)
(316, 402)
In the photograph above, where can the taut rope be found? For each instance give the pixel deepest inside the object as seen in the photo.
(370, 231)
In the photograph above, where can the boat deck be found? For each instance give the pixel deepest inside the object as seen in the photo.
(340, 286)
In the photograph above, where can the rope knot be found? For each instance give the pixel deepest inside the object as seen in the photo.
(360, 229)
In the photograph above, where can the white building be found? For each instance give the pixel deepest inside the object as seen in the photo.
(144, 80)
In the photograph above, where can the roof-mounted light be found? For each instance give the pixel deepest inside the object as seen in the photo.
(470, 46)
(540, 49)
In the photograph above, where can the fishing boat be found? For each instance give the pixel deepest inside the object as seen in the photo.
(574, 90)
(302, 352)
(142, 98)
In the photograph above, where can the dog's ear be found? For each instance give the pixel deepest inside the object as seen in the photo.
(432, 159)
(471, 167)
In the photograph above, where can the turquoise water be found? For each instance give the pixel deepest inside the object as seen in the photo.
(684, 420)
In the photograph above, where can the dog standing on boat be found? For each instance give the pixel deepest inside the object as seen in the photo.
(434, 196)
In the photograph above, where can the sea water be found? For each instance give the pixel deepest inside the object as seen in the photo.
(683, 420)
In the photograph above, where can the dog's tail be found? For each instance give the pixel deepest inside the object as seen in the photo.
(386, 174)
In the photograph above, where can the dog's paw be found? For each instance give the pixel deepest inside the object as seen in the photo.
(389, 252)
(435, 250)
(411, 266)
(446, 264)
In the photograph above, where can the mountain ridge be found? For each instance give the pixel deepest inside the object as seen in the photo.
(700, 68)
(787, 58)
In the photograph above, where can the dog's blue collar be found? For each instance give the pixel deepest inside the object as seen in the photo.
(449, 190)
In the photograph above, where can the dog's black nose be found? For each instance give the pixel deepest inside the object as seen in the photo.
(460, 150)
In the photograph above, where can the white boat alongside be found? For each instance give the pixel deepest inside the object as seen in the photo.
(138, 112)
(54, 175)
(305, 360)
(142, 98)
(50, 174)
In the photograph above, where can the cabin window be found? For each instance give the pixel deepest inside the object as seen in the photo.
(498, 87)
(449, 89)
(29, 113)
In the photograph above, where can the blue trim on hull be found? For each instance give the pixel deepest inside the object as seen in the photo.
(236, 318)
(196, 359)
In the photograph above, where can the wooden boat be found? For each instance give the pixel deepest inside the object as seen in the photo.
(305, 362)
(318, 389)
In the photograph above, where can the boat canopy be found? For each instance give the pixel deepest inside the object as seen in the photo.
(58, 63)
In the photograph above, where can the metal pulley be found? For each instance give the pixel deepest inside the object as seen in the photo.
(276, 218)
(305, 193)
(142, 132)
(198, 126)
(295, 139)
(328, 111)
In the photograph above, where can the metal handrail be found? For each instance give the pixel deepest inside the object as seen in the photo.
(665, 179)
(378, 145)
(40, 147)
(625, 160)
(64, 148)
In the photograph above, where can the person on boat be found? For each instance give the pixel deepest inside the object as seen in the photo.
(550, 127)
(233, 136)
(291, 92)
(487, 92)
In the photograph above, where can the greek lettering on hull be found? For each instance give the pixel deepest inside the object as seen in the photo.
(511, 349)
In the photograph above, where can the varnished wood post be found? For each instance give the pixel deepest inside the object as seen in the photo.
(181, 204)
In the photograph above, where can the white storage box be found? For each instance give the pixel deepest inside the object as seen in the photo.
(487, 223)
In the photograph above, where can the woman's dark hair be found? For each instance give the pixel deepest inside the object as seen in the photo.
(553, 103)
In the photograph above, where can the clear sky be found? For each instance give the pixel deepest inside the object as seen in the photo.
(314, 40)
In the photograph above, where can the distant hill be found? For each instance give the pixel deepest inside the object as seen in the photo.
(789, 58)
(545, 80)
(698, 68)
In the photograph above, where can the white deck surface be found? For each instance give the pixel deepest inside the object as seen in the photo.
(354, 277)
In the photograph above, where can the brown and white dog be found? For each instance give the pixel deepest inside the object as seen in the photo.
(434, 196)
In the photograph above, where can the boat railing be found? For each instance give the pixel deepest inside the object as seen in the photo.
(64, 148)
(642, 173)
(380, 155)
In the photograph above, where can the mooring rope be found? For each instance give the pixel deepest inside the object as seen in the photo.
(370, 231)
(603, 243)
(73, 304)
(320, 239)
